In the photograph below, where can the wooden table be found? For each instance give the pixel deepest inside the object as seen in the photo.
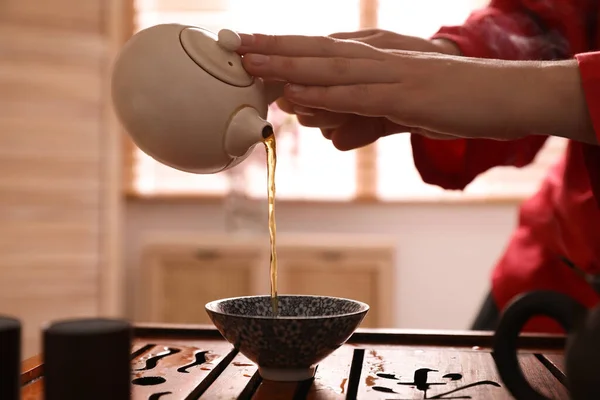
(173, 362)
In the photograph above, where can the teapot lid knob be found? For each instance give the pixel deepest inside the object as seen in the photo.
(212, 53)
(229, 40)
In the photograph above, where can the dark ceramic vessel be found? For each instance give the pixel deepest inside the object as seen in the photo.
(287, 347)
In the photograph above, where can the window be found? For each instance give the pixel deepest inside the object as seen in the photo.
(309, 168)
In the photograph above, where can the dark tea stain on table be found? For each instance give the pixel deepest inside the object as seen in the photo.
(387, 376)
(462, 388)
(205, 380)
(152, 361)
(199, 359)
(149, 380)
(379, 364)
(157, 396)
(343, 385)
(421, 380)
(453, 377)
(383, 389)
(370, 380)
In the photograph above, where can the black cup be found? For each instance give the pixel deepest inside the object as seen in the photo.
(10, 358)
(569, 313)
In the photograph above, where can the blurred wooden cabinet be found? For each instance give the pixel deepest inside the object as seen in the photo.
(177, 282)
(178, 277)
(362, 273)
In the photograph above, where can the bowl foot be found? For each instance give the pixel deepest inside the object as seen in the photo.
(287, 375)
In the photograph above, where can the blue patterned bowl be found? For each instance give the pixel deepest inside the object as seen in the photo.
(287, 347)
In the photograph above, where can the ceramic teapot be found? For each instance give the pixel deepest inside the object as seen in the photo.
(582, 352)
(183, 95)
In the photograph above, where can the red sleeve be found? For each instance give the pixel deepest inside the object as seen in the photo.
(589, 68)
(504, 30)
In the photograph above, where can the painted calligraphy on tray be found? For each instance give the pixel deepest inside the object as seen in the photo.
(421, 382)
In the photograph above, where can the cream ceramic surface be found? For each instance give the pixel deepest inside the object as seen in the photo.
(180, 114)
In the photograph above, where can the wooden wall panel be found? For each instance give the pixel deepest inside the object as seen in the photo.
(57, 197)
(73, 15)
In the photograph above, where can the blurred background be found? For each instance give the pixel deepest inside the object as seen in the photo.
(92, 226)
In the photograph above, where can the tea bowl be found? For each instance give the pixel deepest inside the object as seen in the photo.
(286, 347)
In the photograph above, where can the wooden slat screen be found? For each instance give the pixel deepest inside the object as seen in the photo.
(366, 157)
(54, 161)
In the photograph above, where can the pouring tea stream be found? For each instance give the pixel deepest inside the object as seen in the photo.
(183, 95)
(185, 99)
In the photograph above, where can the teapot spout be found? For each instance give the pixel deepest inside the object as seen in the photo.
(246, 129)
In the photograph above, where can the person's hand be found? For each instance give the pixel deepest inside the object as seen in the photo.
(380, 39)
(442, 94)
(457, 96)
(388, 40)
(349, 131)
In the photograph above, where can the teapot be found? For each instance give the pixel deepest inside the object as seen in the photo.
(183, 95)
(582, 351)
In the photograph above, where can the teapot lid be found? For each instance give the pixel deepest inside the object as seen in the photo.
(216, 54)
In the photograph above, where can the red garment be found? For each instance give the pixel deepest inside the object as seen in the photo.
(563, 217)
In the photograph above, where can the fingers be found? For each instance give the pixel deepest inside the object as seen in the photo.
(340, 128)
(304, 46)
(315, 118)
(374, 100)
(356, 132)
(320, 71)
(328, 133)
(273, 89)
(311, 117)
(285, 105)
(375, 37)
(354, 35)
(432, 135)
(379, 40)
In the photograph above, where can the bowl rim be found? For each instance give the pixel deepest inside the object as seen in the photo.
(210, 307)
